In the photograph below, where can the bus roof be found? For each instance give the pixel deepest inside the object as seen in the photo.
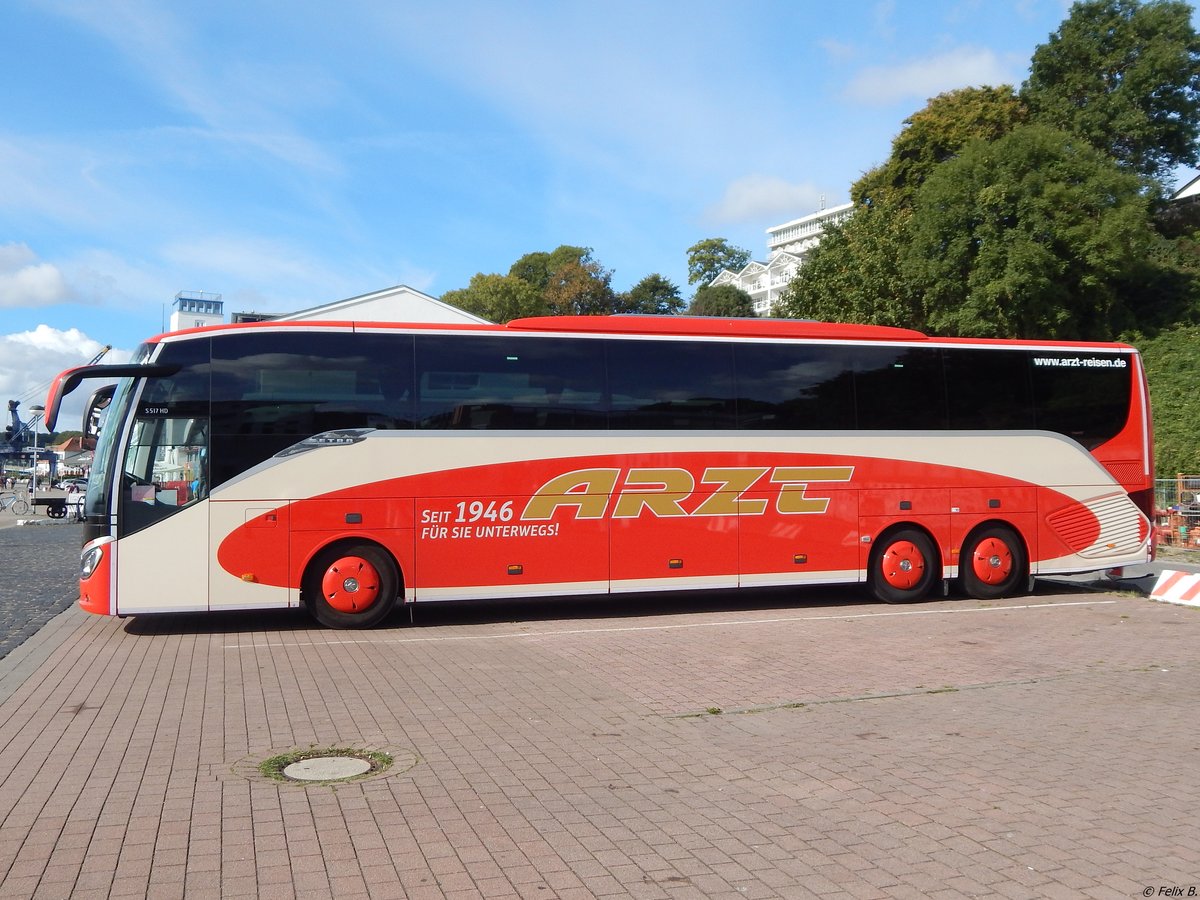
(680, 326)
(715, 326)
(694, 326)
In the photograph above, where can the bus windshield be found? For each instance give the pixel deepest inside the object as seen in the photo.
(96, 502)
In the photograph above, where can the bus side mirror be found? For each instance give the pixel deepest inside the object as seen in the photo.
(93, 414)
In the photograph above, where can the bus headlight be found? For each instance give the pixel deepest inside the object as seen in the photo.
(89, 560)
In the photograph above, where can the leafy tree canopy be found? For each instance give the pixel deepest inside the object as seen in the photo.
(722, 300)
(498, 298)
(1124, 75)
(935, 134)
(580, 288)
(566, 281)
(854, 274)
(707, 258)
(1027, 236)
(1028, 215)
(538, 267)
(654, 295)
(1172, 360)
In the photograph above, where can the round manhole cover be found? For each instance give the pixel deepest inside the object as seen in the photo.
(327, 768)
(329, 765)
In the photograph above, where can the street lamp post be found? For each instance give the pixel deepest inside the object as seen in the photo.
(37, 411)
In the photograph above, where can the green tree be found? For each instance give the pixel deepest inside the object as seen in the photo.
(654, 295)
(498, 298)
(936, 134)
(1027, 236)
(707, 258)
(580, 288)
(855, 274)
(1172, 360)
(1125, 76)
(537, 268)
(722, 300)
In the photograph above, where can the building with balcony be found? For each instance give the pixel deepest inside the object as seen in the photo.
(788, 246)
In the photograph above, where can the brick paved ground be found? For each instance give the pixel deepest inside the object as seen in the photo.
(1041, 748)
(38, 567)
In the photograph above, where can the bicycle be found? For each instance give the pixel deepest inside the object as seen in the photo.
(14, 501)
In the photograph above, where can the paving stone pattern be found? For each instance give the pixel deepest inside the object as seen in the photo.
(39, 571)
(951, 749)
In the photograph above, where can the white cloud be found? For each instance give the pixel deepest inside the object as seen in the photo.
(30, 360)
(924, 78)
(55, 341)
(763, 198)
(14, 256)
(24, 282)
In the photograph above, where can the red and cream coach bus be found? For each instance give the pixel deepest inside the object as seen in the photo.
(352, 466)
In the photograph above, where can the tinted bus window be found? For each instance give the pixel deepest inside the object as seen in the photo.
(273, 389)
(671, 385)
(164, 468)
(503, 382)
(1082, 395)
(794, 386)
(190, 384)
(899, 388)
(988, 389)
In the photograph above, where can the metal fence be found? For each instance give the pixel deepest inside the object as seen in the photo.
(1177, 512)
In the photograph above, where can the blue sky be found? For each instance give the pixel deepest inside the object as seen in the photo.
(287, 154)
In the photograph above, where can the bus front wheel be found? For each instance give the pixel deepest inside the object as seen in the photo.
(351, 585)
(904, 567)
(993, 563)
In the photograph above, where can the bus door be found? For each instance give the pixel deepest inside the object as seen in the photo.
(162, 522)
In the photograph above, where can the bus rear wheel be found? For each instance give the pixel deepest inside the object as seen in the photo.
(351, 585)
(993, 563)
(903, 567)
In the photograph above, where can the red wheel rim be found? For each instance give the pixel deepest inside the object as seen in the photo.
(351, 584)
(903, 565)
(992, 561)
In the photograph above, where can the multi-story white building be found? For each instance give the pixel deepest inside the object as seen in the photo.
(788, 246)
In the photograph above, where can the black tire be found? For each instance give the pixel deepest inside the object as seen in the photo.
(351, 585)
(904, 567)
(20, 507)
(993, 563)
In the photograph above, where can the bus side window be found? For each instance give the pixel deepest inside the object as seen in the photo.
(803, 387)
(899, 388)
(988, 389)
(1086, 402)
(671, 385)
(271, 390)
(509, 382)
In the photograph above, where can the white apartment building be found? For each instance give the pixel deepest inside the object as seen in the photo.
(788, 246)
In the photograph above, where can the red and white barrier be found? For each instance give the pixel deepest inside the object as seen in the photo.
(1177, 587)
